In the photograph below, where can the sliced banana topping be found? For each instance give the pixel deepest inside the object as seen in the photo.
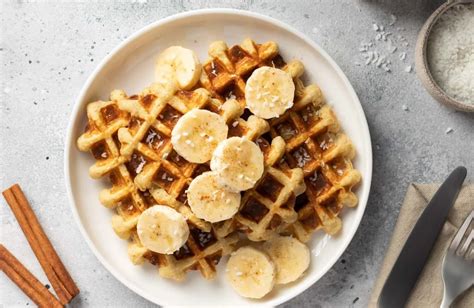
(250, 272)
(269, 92)
(178, 64)
(290, 256)
(209, 201)
(238, 163)
(162, 229)
(197, 134)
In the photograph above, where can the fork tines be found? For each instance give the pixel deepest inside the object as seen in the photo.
(463, 250)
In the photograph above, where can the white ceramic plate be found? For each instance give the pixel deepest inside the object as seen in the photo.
(130, 67)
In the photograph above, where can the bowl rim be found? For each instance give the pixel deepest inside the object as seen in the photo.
(421, 60)
(70, 143)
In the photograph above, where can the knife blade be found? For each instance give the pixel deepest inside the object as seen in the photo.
(417, 248)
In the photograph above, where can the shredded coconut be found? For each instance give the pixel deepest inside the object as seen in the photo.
(451, 52)
(380, 50)
(302, 157)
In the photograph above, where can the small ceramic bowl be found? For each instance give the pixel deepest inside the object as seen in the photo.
(421, 61)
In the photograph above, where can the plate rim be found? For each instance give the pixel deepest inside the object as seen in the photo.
(363, 198)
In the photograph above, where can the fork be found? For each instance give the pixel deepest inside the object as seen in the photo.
(458, 270)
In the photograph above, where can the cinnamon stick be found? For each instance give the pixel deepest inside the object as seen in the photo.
(40, 245)
(46, 245)
(23, 278)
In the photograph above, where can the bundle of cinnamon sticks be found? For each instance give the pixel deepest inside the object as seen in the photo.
(49, 260)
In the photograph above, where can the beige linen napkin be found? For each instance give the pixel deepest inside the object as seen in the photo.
(428, 291)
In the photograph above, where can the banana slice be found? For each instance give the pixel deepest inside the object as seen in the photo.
(269, 92)
(209, 201)
(238, 163)
(290, 256)
(197, 134)
(162, 229)
(250, 272)
(178, 64)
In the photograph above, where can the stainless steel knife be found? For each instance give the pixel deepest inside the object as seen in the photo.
(417, 248)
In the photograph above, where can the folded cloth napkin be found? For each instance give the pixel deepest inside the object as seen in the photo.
(428, 291)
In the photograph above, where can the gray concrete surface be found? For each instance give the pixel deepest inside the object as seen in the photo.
(47, 50)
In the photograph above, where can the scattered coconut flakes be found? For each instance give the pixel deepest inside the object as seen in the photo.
(408, 69)
(140, 166)
(323, 145)
(449, 130)
(405, 107)
(213, 69)
(314, 177)
(315, 30)
(381, 60)
(403, 55)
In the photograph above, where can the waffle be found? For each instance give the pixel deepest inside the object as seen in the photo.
(311, 132)
(127, 135)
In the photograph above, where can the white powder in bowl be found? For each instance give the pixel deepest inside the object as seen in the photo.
(451, 52)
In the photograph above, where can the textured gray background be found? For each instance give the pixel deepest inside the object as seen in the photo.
(47, 51)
